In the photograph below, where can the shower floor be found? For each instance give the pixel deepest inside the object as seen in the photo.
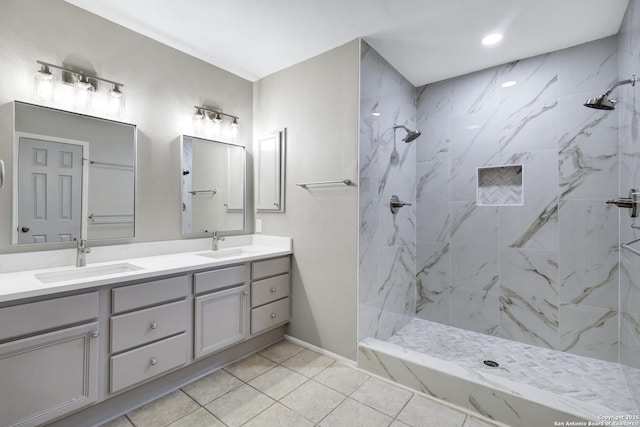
(580, 378)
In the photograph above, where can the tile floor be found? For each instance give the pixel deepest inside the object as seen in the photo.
(288, 385)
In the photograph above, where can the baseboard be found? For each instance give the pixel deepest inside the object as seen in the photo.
(341, 359)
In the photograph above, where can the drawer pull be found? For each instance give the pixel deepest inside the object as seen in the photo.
(154, 325)
(273, 315)
(273, 290)
(154, 361)
(95, 334)
(245, 292)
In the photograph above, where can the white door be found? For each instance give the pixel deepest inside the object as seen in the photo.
(50, 189)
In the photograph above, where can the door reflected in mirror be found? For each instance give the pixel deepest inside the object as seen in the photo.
(213, 186)
(74, 177)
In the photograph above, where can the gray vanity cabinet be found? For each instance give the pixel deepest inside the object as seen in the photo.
(221, 309)
(270, 288)
(49, 359)
(149, 328)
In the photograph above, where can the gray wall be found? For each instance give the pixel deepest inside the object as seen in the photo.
(317, 101)
(161, 87)
(387, 251)
(545, 273)
(629, 110)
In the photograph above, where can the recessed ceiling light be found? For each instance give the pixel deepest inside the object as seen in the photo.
(509, 83)
(375, 114)
(492, 39)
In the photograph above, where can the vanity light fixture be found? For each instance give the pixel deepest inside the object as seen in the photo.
(214, 116)
(84, 86)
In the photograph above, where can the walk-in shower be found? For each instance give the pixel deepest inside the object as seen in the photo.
(540, 288)
(603, 102)
(411, 134)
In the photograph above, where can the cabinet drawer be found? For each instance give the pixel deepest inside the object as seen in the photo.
(149, 293)
(37, 316)
(270, 315)
(218, 279)
(267, 290)
(143, 326)
(145, 362)
(270, 267)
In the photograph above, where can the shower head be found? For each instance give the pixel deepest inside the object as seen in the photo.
(603, 102)
(411, 134)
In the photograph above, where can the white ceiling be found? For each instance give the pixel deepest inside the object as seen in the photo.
(425, 40)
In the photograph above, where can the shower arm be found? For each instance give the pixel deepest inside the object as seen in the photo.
(631, 81)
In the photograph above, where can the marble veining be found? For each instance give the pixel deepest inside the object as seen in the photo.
(387, 264)
(544, 273)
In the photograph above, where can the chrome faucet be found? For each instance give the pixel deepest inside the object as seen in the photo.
(81, 254)
(216, 239)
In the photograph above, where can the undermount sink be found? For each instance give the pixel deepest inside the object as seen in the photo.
(85, 272)
(227, 253)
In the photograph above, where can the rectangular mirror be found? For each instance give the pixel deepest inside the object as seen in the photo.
(213, 186)
(74, 176)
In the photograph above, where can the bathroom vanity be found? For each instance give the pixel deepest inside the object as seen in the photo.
(114, 334)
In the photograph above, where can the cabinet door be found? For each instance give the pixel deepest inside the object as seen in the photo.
(46, 376)
(221, 320)
(270, 172)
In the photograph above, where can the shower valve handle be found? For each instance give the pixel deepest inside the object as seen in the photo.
(630, 202)
(395, 204)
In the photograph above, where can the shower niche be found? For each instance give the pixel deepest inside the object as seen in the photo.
(500, 186)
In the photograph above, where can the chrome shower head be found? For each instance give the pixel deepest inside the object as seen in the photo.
(603, 102)
(411, 134)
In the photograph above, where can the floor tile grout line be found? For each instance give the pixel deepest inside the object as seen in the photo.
(403, 407)
(344, 396)
(311, 379)
(214, 416)
(218, 397)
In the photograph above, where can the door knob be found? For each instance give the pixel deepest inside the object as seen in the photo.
(25, 229)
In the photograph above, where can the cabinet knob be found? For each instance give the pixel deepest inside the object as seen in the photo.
(245, 292)
(273, 290)
(153, 361)
(276, 204)
(154, 325)
(95, 334)
(273, 315)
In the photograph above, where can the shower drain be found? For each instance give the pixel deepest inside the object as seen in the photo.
(491, 363)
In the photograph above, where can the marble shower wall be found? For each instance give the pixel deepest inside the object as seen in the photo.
(545, 273)
(387, 242)
(629, 110)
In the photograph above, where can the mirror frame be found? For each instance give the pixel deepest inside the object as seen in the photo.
(200, 234)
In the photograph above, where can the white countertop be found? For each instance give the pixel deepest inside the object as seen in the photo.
(159, 261)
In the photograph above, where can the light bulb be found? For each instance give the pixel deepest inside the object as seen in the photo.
(116, 102)
(43, 85)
